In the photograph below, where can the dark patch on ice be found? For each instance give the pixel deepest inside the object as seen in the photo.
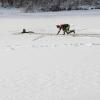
(67, 45)
(15, 47)
(82, 44)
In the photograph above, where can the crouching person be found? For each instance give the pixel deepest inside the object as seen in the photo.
(65, 28)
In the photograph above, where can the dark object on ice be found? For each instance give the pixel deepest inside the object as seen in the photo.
(65, 28)
(24, 31)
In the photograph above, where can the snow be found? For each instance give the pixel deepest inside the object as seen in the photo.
(49, 67)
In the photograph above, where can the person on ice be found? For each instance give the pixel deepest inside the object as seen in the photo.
(24, 31)
(65, 28)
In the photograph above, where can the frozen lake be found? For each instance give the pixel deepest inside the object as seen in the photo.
(49, 67)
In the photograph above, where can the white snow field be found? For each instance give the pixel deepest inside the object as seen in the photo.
(49, 67)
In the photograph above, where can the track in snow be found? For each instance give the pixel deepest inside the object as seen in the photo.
(73, 35)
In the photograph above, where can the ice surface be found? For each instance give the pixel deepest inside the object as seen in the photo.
(49, 67)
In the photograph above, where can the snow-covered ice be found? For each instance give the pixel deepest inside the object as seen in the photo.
(49, 67)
